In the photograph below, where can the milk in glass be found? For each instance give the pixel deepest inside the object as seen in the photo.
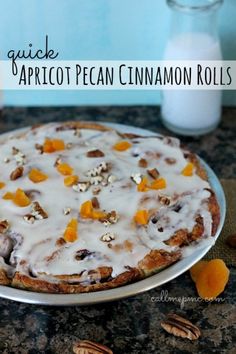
(192, 112)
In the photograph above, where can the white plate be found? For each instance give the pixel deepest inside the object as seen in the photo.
(127, 290)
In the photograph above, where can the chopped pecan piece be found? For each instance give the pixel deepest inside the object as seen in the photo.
(38, 212)
(107, 237)
(39, 147)
(15, 150)
(60, 241)
(111, 218)
(96, 190)
(82, 254)
(57, 162)
(81, 186)
(153, 173)
(88, 347)
(136, 178)
(164, 199)
(4, 226)
(170, 160)
(143, 163)
(17, 173)
(102, 167)
(180, 327)
(96, 180)
(95, 153)
(95, 203)
(66, 211)
(29, 218)
(111, 179)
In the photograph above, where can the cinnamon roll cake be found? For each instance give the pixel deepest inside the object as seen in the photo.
(86, 208)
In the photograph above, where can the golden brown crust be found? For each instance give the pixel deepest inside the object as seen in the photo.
(26, 282)
(82, 125)
(157, 260)
(4, 280)
(214, 209)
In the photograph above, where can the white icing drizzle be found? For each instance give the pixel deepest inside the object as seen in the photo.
(38, 249)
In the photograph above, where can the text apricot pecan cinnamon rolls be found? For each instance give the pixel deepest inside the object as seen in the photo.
(85, 208)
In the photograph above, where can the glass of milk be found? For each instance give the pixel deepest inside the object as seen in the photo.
(193, 36)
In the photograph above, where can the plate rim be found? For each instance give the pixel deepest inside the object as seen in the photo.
(128, 290)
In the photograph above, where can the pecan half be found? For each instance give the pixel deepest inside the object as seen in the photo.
(95, 153)
(180, 327)
(88, 347)
(4, 226)
(17, 173)
(153, 173)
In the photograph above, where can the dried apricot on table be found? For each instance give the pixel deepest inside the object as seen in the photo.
(212, 279)
(37, 176)
(122, 145)
(196, 269)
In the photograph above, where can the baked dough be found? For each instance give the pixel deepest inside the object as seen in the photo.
(110, 209)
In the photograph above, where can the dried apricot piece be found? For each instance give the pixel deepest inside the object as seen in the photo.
(141, 217)
(159, 183)
(8, 196)
(196, 269)
(58, 144)
(47, 146)
(70, 233)
(52, 145)
(65, 169)
(143, 185)
(122, 145)
(2, 185)
(97, 214)
(86, 209)
(20, 198)
(188, 170)
(37, 176)
(70, 180)
(212, 280)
